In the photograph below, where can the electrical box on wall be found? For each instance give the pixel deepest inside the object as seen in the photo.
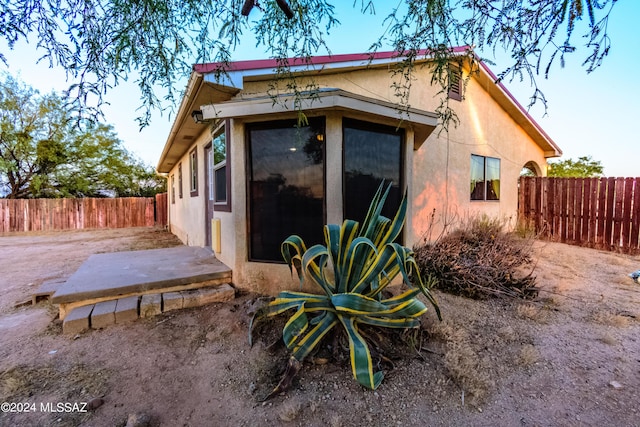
(215, 235)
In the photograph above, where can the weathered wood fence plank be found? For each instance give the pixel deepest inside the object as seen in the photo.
(601, 213)
(67, 214)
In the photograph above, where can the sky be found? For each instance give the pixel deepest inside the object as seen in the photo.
(587, 114)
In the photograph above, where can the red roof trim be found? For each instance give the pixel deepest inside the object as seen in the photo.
(260, 64)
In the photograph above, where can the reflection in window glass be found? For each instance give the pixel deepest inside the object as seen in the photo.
(477, 177)
(493, 178)
(485, 178)
(286, 185)
(193, 172)
(221, 184)
(372, 153)
(220, 167)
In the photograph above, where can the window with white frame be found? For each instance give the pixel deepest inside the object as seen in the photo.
(193, 172)
(219, 166)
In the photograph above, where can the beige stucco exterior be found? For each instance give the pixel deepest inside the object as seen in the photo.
(436, 170)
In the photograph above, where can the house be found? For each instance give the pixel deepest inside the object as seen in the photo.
(243, 175)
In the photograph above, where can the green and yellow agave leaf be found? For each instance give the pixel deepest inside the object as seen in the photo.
(295, 327)
(356, 304)
(360, 252)
(370, 222)
(384, 322)
(400, 298)
(287, 300)
(361, 364)
(314, 262)
(384, 260)
(393, 228)
(296, 245)
(359, 305)
(332, 239)
(348, 232)
(427, 293)
(306, 344)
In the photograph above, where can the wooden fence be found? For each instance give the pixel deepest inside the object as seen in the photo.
(601, 213)
(67, 214)
(162, 212)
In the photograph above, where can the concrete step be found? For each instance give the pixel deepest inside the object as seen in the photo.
(105, 313)
(46, 290)
(116, 275)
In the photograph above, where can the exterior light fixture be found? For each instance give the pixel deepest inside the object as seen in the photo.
(197, 116)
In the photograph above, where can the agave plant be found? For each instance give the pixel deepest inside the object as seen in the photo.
(358, 262)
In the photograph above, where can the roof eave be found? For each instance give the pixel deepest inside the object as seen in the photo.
(184, 130)
(422, 122)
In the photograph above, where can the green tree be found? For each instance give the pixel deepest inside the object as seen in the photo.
(583, 167)
(101, 42)
(45, 153)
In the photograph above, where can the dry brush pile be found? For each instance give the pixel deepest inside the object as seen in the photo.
(479, 259)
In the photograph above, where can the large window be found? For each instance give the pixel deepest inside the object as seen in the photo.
(485, 178)
(286, 185)
(372, 153)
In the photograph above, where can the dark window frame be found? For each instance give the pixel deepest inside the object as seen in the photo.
(485, 183)
(266, 125)
(375, 127)
(193, 172)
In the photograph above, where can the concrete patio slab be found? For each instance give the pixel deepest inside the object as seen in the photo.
(110, 275)
(46, 289)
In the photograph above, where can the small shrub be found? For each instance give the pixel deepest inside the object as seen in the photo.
(477, 260)
(529, 355)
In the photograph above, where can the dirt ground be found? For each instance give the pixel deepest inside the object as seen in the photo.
(570, 358)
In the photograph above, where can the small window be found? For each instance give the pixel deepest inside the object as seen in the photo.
(173, 188)
(455, 82)
(485, 178)
(193, 172)
(220, 167)
(180, 180)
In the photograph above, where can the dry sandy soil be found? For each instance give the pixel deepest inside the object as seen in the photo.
(570, 358)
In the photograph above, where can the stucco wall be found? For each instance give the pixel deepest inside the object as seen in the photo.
(437, 174)
(187, 214)
(442, 166)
